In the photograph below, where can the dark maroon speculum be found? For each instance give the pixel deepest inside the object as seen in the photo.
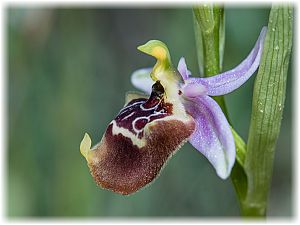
(139, 112)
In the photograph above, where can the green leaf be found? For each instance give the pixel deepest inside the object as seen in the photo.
(267, 108)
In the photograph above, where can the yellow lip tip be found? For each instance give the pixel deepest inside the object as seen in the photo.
(85, 145)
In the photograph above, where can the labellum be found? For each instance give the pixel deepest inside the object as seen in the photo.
(138, 142)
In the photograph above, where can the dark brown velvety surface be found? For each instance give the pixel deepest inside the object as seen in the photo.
(124, 168)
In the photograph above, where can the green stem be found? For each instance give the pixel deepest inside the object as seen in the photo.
(210, 37)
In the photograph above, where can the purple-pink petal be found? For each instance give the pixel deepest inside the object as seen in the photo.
(141, 80)
(183, 70)
(194, 89)
(227, 82)
(212, 135)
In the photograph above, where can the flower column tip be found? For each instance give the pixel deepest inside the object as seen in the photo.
(155, 48)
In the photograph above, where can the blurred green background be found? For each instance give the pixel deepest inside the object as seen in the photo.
(68, 71)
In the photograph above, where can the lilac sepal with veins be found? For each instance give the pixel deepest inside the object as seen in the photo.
(228, 81)
(149, 129)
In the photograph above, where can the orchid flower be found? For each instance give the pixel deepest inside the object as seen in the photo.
(175, 108)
